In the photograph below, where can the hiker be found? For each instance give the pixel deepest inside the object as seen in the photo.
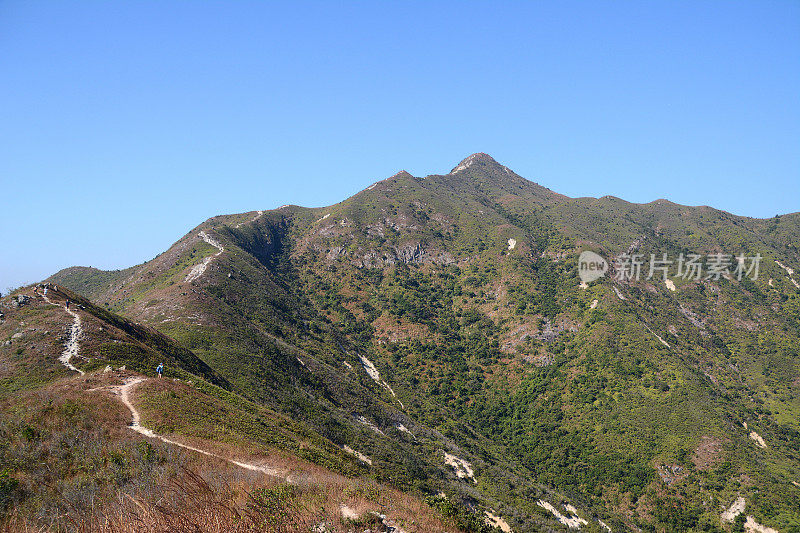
(160, 369)
(45, 290)
(67, 303)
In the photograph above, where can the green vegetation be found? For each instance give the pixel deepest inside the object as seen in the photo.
(632, 409)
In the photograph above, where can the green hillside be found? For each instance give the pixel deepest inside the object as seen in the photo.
(450, 306)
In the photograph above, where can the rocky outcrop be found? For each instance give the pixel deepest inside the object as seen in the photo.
(17, 301)
(410, 253)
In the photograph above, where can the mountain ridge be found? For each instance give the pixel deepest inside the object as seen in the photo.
(451, 305)
(479, 157)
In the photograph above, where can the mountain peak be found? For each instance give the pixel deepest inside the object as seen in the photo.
(478, 157)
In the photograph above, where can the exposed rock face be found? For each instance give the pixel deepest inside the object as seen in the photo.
(336, 252)
(479, 157)
(411, 253)
(17, 301)
(374, 259)
(415, 253)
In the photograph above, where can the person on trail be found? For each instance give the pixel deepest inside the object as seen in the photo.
(160, 369)
(67, 303)
(45, 290)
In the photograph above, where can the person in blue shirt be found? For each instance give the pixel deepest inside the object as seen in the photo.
(160, 369)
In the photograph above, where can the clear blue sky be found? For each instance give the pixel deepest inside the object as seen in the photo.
(125, 124)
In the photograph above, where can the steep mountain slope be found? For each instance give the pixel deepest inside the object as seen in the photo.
(429, 318)
(200, 456)
(35, 325)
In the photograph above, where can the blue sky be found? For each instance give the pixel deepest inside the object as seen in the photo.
(125, 124)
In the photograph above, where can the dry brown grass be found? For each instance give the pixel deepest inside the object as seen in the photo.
(174, 490)
(225, 502)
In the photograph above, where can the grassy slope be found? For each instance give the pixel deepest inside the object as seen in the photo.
(63, 441)
(68, 462)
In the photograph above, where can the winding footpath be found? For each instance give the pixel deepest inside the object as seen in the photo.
(71, 350)
(259, 213)
(124, 392)
(72, 347)
(789, 272)
(199, 270)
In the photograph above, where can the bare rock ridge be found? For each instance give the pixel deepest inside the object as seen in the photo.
(401, 174)
(477, 158)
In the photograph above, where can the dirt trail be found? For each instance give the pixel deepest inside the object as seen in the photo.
(124, 392)
(789, 271)
(72, 347)
(199, 270)
(259, 213)
(656, 335)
